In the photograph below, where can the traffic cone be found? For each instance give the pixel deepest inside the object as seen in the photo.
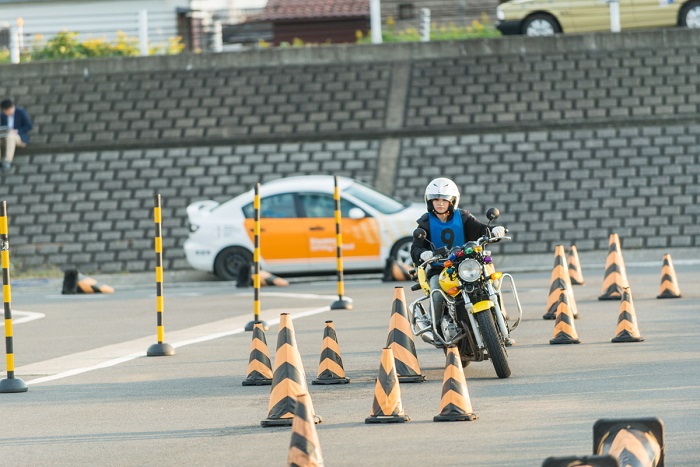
(330, 369)
(633, 441)
(560, 281)
(627, 330)
(305, 448)
(267, 278)
(259, 370)
(575, 274)
(581, 461)
(288, 378)
(669, 284)
(615, 272)
(400, 341)
(387, 406)
(76, 283)
(396, 271)
(564, 327)
(455, 404)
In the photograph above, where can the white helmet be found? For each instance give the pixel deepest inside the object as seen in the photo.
(442, 188)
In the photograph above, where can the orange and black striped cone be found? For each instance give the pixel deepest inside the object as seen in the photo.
(632, 441)
(259, 369)
(455, 404)
(615, 272)
(669, 284)
(267, 278)
(564, 327)
(627, 330)
(400, 341)
(396, 271)
(330, 369)
(560, 281)
(288, 378)
(575, 274)
(305, 448)
(76, 283)
(387, 406)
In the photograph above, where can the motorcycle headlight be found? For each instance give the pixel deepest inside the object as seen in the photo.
(469, 270)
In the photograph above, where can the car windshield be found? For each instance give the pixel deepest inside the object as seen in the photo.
(370, 197)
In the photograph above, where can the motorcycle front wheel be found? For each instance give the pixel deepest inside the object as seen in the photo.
(497, 351)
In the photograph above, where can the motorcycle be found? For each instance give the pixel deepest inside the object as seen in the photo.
(473, 315)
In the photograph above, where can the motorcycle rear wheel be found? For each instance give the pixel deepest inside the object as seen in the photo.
(497, 352)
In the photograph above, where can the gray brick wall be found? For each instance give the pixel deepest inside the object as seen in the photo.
(94, 210)
(573, 186)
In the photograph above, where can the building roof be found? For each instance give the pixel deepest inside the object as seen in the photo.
(316, 9)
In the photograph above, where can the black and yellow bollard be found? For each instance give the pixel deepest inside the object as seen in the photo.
(159, 349)
(343, 303)
(387, 406)
(9, 384)
(256, 265)
(400, 341)
(637, 442)
(305, 448)
(330, 368)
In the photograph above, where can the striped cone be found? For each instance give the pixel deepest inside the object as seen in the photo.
(267, 278)
(560, 281)
(669, 284)
(575, 274)
(633, 442)
(259, 370)
(288, 378)
(330, 369)
(400, 341)
(581, 461)
(455, 404)
(76, 283)
(615, 272)
(305, 448)
(396, 271)
(627, 330)
(387, 406)
(564, 327)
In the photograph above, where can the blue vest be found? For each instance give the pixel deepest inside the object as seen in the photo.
(449, 234)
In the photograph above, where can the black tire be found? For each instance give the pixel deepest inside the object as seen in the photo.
(497, 351)
(689, 15)
(541, 25)
(401, 251)
(229, 261)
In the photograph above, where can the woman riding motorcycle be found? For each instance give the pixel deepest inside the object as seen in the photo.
(448, 226)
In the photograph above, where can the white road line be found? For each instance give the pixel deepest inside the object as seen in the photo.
(111, 355)
(27, 316)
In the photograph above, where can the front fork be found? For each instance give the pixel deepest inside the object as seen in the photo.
(500, 320)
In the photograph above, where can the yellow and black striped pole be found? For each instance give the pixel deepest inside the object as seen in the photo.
(159, 349)
(342, 303)
(256, 264)
(9, 384)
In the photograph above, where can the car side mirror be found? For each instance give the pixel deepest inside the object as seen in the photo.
(420, 234)
(492, 214)
(356, 213)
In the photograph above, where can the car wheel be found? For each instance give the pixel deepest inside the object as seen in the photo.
(228, 263)
(401, 251)
(690, 15)
(541, 25)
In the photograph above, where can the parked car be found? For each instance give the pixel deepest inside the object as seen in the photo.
(549, 17)
(298, 228)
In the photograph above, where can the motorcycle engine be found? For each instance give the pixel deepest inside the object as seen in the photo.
(448, 328)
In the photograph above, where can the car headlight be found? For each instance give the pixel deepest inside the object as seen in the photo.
(500, 14)
(469, 270)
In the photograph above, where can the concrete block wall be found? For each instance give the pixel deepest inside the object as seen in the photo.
(571, 138)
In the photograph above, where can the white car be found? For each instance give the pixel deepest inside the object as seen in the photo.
(297, 221)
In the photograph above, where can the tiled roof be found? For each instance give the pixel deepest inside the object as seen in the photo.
(306, 9)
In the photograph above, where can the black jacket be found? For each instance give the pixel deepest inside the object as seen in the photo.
(473, 229)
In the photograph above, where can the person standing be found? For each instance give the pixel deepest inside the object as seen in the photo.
(18, 126)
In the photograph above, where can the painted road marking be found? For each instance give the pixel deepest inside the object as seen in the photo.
(26, 317)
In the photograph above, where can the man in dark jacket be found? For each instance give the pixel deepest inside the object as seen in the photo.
(445, 225)
(17, 126)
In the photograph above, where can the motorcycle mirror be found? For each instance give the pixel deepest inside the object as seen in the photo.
(492, 214)
(420, 234)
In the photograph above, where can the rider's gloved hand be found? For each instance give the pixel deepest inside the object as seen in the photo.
(426, 255)
(498, 231)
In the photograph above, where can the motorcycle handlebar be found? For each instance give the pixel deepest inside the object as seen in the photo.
(443, 252)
